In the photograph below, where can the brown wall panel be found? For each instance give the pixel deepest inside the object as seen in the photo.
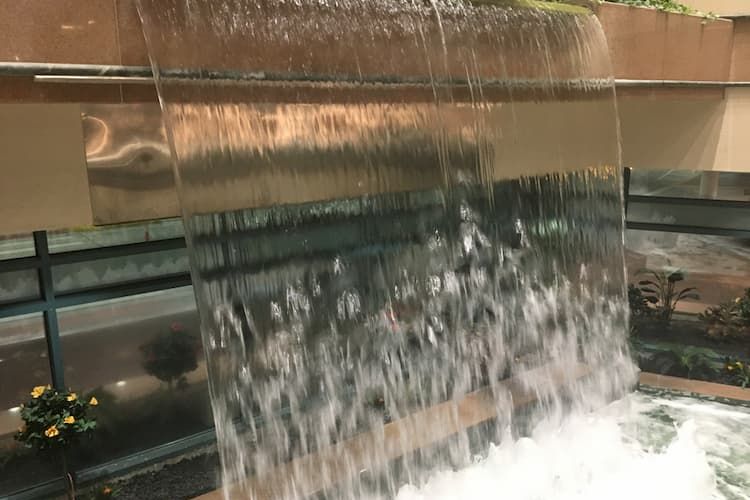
(61, 31)
(653, 45)
(741, 50)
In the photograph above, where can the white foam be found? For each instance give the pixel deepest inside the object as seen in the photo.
(589, 457)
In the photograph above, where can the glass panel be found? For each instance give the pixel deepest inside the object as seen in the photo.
(690, 215)
(107, 236)
(23, 365)
(82, 275)
(13, 247)
(142, 357)
(19, 285)
(718, 266)
(691, 184)
(696, 341)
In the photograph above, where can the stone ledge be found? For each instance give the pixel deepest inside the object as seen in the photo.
(695, 386)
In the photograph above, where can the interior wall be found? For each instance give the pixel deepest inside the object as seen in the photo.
(43, 183)
(733, 150)
(689, 133)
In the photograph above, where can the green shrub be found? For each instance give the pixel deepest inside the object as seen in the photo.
(686, 362)
(662, 5)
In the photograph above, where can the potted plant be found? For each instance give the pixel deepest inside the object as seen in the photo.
(54, 421)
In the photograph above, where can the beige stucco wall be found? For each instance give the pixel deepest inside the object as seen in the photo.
(43, 182)
(693, 133)
(733, 148)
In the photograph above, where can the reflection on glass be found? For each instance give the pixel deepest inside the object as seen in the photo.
(15, 246)
(141, 356)
(82, 275)
(718, 266)
(690, 215)
(18, 285)
(23, 365)
(691, 184)
(91, 237)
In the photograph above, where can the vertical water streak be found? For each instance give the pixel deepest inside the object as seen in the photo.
(405, 229)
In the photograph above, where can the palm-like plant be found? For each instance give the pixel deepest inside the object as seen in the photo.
(661, 291)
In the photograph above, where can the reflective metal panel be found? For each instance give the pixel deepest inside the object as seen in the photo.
(129, 164)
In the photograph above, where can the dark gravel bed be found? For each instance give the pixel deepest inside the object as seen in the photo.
(182, 480)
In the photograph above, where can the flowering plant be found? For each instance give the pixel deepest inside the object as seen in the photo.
(102, 493)
(53, 420)
(738, 372)
(729, 319)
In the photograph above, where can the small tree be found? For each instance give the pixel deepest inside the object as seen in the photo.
(53, 422)
(171, 355)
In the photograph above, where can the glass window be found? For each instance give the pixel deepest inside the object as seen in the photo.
(107, 236)
(690, 215)
(23, 365)
(19, 285)
(718, 266)
(691, 184)
(83, 275)
(142, 357)
(13, 247)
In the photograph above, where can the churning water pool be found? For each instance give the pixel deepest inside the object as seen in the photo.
(644, 447)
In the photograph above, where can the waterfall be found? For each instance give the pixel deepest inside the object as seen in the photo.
(405, 227)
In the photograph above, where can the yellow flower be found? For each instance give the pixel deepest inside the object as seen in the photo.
(739, 364)
(737, 300)
(730, 367)
(72, 396)
(107, 490)
(38, 391)
(51, 432)
(93, 401)
(69, 420)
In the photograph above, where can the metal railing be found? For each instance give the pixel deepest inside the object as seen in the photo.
(143, 75)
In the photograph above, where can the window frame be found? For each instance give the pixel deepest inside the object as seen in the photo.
(48, 304)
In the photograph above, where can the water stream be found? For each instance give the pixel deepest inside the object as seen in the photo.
(405, 229)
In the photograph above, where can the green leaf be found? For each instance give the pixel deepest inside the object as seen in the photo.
(693, 296)
(676, 276)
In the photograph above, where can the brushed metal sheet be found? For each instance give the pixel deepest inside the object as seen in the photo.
(129, 164)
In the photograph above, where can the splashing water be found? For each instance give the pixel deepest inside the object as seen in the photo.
(639, 447)
(389, 275)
